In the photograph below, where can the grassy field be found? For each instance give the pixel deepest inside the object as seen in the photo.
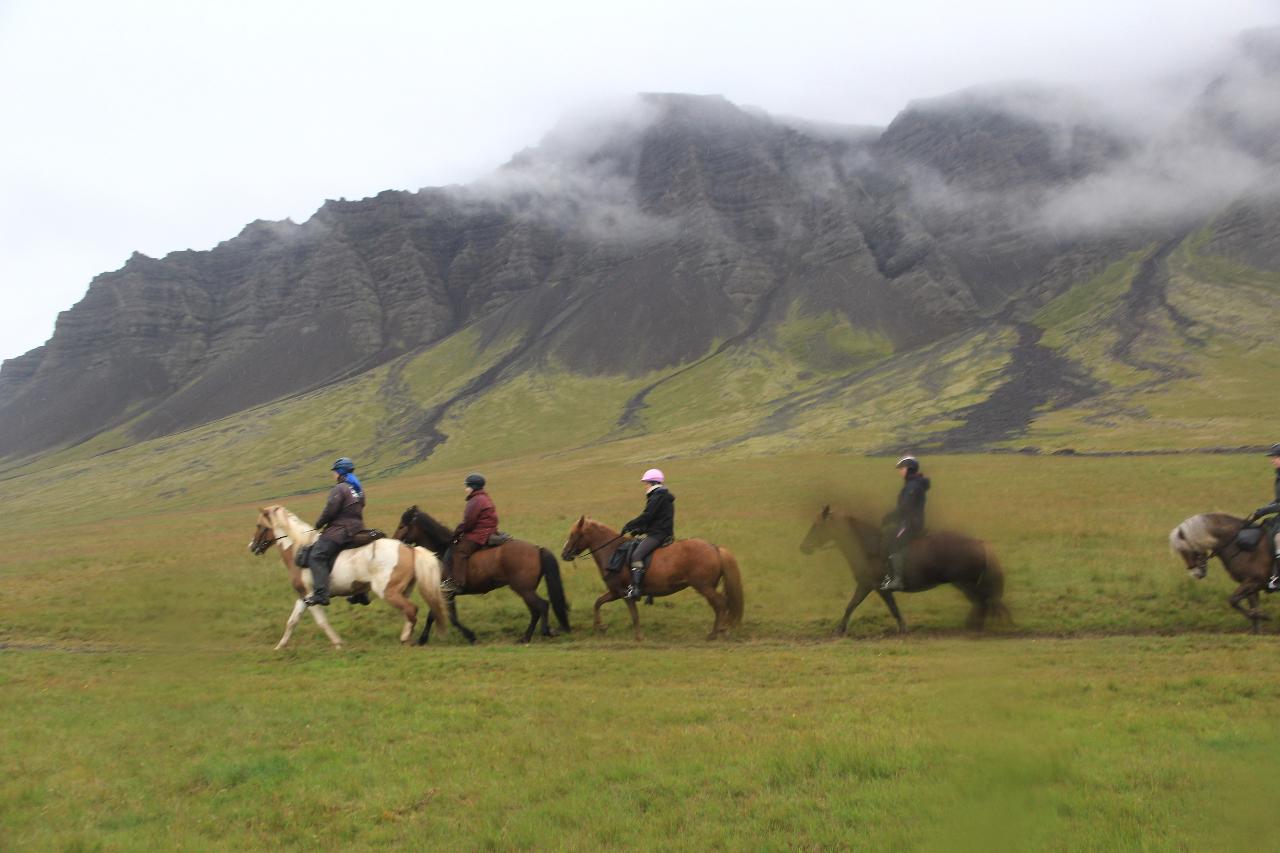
(1124, 708)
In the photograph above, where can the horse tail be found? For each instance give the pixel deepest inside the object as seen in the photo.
(991, 587)
(732, 585)
(426, 570)
(555, 587)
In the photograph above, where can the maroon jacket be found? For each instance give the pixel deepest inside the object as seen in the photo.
(343, 515)
(479, 520)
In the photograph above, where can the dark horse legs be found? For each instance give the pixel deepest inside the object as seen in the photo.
(1249, 591)
(453, 620)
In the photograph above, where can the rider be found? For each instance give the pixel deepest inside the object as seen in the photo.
(342, 518)
(479, 522)
(1273, 584)
(656, 524)
(905, 522)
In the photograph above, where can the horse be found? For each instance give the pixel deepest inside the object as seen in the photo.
(387, 567)
(1213, 534)
(938, 558)
(687, 562)
(515, 563)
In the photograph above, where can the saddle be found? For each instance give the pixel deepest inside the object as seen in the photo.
(1248, 538)
(302, 556)
(622, 557)
(494, 540)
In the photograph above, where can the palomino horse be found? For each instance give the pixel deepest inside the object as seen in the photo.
(688, 562)
(387, 567)
(937, 558)
(1213, 534)
(515, 563)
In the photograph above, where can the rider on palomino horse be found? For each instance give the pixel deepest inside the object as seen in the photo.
(657, 524)
(479, 522)
(905, 523)
(342, 518)
(1273, 526)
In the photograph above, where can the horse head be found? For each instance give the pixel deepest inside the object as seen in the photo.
(264, 536)
(407, 518)
(575, 544)
(819, 534)
(1201, 537)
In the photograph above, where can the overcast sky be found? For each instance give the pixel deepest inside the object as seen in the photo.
(158, 126)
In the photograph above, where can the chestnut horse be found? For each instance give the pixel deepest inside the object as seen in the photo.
(515, 563)
(1213, 534)
(687, 562)
(387, 567)
(938, 558)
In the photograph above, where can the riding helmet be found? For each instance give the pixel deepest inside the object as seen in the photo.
(910, 463)
(653, 475)
(1274, 451)
(474, 481)
(344, 466)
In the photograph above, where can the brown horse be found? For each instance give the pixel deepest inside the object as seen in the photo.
(688, 562)
(1213, 534)
(938, 558)
(517, 564)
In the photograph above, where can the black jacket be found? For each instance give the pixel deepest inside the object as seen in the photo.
(343, 515)
(659, 516)
(908, 516)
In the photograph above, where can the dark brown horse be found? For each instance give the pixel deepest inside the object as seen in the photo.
(1213, 534)
(688, 562)
(932, 560)
(516, 563)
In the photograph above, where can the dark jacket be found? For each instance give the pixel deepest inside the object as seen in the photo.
(479, 519)
(343, 515)
(908, 515)
(659, 516)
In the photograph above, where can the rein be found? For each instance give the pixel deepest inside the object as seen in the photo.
(592, 551)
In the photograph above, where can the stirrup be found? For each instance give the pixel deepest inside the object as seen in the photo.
(1273, 583)
(449, 587)
(313, 600)
(632, 593)
(890, 584)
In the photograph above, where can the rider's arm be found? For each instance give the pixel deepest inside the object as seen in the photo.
(331, 508)
(1269, 509)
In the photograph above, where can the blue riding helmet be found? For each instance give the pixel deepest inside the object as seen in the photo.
(344, 466)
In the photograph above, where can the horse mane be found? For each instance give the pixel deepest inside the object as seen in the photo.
(1196, 534)
(431, 527)
(293, 520)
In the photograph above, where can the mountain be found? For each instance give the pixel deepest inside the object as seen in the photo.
(1003, 265)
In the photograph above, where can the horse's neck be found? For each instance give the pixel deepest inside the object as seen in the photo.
(604, 545)
(435, 535)
(294, 531)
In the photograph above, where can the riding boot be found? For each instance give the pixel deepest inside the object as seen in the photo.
(322, 556)
(637, 580)
(359, 598)
(893, 578)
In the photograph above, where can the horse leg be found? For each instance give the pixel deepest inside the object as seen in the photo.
(609, 595)
(537, 613)
(298, 607)
(977, 618)
(317, 613)
(893, 608)
(453, 620)
(395, 596)
(1248, 590)
(426, 630)
(635, 617)
(721, 607)
(858, 595)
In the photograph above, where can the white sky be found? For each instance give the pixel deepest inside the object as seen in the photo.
(160, 126)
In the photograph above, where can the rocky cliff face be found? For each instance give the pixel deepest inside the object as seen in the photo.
(634, 242)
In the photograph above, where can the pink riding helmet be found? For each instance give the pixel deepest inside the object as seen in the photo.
(653, 475)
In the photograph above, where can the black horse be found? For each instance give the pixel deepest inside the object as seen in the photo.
(515, 563)
(942, 557)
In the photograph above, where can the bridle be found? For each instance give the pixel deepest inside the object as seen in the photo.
(588, 552)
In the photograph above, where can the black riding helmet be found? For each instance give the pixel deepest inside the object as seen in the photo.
(1274, 451)
(910, 463)
(474, 481)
